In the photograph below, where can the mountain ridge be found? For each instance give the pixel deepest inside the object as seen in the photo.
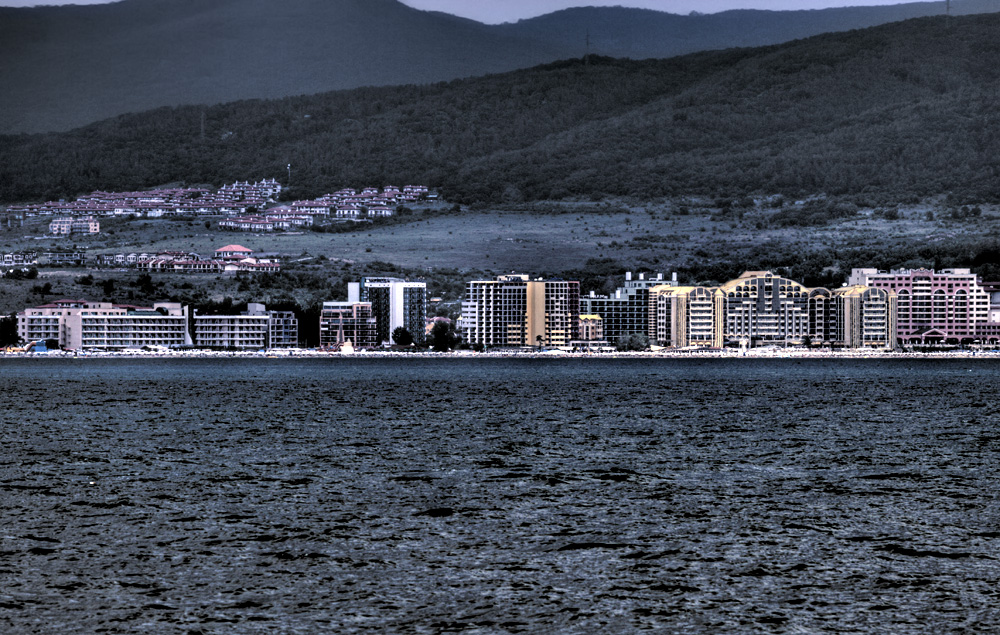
(63, 67)
(891, 113)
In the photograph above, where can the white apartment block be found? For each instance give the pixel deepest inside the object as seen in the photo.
(395, 303)
(255, 329)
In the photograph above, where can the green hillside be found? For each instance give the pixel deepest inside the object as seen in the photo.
(66, 66)
(894, 112)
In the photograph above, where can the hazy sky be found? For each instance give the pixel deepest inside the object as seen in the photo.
(495, 11)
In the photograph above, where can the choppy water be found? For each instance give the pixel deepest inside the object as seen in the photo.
(492, 496)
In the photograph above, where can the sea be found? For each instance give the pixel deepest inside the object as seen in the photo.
(499, 495)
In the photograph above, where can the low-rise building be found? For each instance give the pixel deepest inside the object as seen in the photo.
(19, 259)
(82, 325)
(70, 258)
(80, 225)
(254, 329)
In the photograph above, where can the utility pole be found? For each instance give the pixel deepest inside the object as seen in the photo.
(289, 175)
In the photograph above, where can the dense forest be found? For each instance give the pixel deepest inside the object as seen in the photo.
(900, 111)
(66, 66)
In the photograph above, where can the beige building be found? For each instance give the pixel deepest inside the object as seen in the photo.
(866, 316)
(761, 308)
(684, 316)
(67, 226)
(515, 310)
(591, 328)
(81, 325)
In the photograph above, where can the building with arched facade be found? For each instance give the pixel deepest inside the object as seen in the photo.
(761, 308)
(933, 307)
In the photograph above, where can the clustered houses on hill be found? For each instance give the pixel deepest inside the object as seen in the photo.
(229, 199)
(17, 259)
(243, 203)
(346, 205)
(228, 259)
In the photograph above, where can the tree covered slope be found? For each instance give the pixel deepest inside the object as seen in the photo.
(900, 110)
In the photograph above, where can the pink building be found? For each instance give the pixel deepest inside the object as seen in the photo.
(933, 307)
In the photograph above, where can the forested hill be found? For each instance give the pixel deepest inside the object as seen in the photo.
(901, 110)
(67, 66)
(642, 34)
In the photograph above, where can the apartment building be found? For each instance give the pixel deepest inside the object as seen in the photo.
(283, 330)
(684, 316)
(933, 306)
(82, 325)
(81, 225)
(254, 329)
(395, 303)
(514, 310)
(342, 322)
(761, 308)
(863, 317)
(625, 312)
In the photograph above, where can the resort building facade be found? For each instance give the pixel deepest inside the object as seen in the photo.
(395, 303)
(81, 325)
(950, 305)
(760, 308)
(514, 310)
(256, 328)
(343, 322)
(626, 312)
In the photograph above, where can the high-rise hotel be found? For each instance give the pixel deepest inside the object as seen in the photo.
(514, 310)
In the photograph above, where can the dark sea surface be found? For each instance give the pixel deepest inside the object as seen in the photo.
(500, 495)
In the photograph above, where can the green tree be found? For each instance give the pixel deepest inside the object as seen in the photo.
(443, 336)
(8, 330)
(401, 336)
(633, 342)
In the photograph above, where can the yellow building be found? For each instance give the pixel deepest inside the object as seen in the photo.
(866, 317)
(591, 328)
(684, 316)
(761, 308)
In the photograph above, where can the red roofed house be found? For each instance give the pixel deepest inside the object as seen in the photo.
(233, 252)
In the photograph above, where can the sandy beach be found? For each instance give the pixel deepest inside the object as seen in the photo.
(754, 353)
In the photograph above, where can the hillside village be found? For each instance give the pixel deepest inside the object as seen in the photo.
(244, 206)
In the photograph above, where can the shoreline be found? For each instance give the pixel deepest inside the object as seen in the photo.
(763, 353)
